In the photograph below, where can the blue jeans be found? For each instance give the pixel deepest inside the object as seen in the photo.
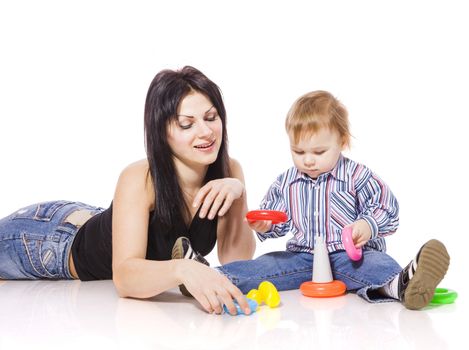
(287, 270)
(35, 241)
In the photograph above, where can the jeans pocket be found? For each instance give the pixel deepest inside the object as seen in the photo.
(40, 212)
(42, 252)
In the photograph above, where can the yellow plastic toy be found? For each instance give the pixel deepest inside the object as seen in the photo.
(267, 293)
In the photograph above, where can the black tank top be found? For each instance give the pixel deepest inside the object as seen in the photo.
(92, 246)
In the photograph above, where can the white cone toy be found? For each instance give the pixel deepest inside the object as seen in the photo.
(323, 285)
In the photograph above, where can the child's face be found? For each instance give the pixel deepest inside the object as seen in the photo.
(317, 153)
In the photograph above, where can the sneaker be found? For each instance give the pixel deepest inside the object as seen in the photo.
(418, 280)
(182, 249)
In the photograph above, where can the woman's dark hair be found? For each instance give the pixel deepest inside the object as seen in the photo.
(165, 93)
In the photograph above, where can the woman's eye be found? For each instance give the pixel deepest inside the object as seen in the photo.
(211, 118)
(185, 126)
(319, 153)
(298, 152)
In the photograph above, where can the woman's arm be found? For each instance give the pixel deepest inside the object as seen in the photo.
(135, 276)
(235, 238)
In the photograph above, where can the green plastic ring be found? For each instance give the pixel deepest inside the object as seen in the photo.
(444, 296)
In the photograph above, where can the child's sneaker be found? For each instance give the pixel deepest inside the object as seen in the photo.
(182, 249)
(418, 280)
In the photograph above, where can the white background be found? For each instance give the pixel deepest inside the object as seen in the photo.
(74, 75)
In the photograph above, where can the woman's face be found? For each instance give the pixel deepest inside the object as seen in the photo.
(196, 135)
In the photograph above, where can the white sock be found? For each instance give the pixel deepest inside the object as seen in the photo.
(398, 284)
(391, 289)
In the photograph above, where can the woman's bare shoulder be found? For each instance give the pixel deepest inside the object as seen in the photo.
(235, 169)
(234, 163)
(135, 178)
(138, 166)
(136, 171)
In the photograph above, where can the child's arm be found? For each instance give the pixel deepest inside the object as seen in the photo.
(273, 200)
(377, 206)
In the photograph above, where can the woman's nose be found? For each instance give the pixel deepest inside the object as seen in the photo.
(204, 130)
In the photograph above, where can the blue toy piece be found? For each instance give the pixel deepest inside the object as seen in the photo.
(252, 305)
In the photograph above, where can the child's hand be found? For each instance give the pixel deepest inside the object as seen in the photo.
(261, 226)
(361, 233)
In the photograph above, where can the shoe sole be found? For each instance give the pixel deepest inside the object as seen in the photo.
(177, 251)
(432, 265)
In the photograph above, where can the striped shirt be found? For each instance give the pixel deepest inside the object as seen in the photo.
(322, 207)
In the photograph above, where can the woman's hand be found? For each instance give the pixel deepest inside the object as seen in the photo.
(217, 196)
(361, 233)
(261, 226)
(211, 288)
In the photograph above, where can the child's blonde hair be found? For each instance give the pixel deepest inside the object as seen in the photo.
(314, 111)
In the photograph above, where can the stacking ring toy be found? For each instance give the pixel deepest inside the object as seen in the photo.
(353, 253)
(444, 296)
(273, 215)
(323, 290)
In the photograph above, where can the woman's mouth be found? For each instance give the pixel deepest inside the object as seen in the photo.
(205, 146)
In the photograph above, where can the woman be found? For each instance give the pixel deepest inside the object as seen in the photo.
(188, 186)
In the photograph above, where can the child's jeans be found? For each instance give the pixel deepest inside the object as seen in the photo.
(287, 270)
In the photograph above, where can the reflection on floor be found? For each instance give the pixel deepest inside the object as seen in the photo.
(44, 314)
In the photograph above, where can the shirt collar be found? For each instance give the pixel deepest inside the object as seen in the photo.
(338, 172)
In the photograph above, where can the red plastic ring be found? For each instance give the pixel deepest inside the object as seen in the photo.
(273, 215)
(323, 290)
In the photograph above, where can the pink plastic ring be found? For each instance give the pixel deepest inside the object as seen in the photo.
(353, 253)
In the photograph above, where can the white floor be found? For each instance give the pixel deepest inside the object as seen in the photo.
(46, 314)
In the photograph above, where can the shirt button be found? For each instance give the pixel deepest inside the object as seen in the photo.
(316, 213)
